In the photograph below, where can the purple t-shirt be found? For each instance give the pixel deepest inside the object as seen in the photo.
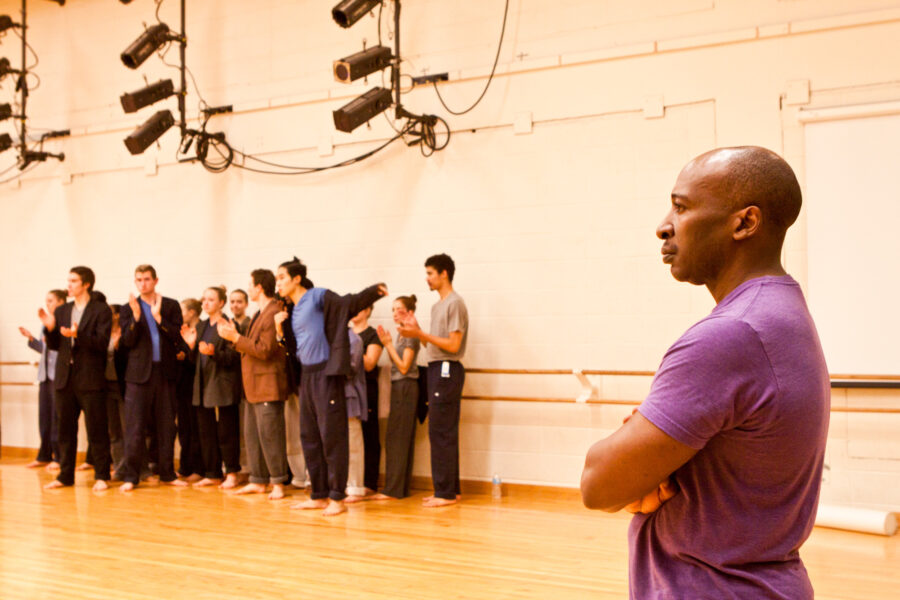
(747, 386)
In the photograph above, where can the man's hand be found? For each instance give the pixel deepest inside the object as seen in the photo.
(70, 332)
(280, 318)
(207, 349)
(26, 333)
(47, 319)
(227, 331)
(156, 309)
(652, 501)
(385, 337)
(135, 307)
(382, 289)
(180, 356)
(189, 335)
(410, 327)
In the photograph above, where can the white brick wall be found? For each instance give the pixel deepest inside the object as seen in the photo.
(553, 232)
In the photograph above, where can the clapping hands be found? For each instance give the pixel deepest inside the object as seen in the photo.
(385, 336)
(189, 335)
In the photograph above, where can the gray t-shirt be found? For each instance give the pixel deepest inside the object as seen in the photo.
(76, 315)
(401, 345)
(447, 316)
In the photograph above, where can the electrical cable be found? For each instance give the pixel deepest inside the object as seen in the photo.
(490, 78)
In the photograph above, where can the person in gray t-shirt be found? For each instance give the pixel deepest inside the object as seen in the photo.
(446, 346)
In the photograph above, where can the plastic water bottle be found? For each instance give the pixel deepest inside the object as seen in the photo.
(496, 487)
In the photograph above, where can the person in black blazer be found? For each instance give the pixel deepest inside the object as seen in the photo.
(151, 334)
(79, 332)
(217, 394)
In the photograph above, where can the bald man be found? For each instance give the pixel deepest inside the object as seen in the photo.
(722, 462)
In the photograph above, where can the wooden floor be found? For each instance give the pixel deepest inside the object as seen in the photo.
(167, 543)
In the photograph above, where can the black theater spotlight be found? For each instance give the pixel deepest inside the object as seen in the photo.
(138, 99)
(5, 111)
(5, 68)
(5, 142)
(348, 12)
(152, 129)
(6, 22)
(358, 111)
(350, 68)
(147, 43)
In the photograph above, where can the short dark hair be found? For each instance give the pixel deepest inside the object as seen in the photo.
(98, 296)
(146, 269)
(440, 263)
(296, 268)
(85, 274)
(242, 293)
(61, 295)
(265, 279)
(409, 302)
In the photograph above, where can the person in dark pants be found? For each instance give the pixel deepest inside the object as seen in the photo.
(48, 453)
(190, 462)
(216, 394)
(319, 321)
(446, 375)
(265, 387)
(151, 328)
(79, 332)
(400, 438)
(372, 348)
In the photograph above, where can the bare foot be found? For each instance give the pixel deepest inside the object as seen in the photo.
(430, 498)
(36, 464)
(207, 481)
(277, 492)
(334, 508)
(126, 487)
(309, 504)
(231, 481)
(84, 467)
(382, 497)
(193, 478)
(100, 486)
(355, 499)
(436, 502)
(250, 488)
(56, 483)
(53, 466)
(176, 483)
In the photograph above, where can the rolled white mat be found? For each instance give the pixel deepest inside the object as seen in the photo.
(864, 520)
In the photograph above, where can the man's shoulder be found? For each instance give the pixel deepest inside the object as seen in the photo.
(718, 337)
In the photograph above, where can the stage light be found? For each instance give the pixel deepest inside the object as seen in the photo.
(348, 12)
(350, 68)
(6, 22)
(5, 68)
(141, 138)
(138, 99)
(352, 115)
(147, 43)
(5, 142)
(5, 111)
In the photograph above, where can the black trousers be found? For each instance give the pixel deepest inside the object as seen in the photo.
(220, 439)
(444, 395)
(323, 432)
(371, 435)
(47, 424)
(69, 405)
(190, 460)
(400, 437)
(153, 401)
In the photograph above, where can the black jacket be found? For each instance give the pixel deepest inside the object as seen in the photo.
(136, 341)
(224, 387)
(337, 311)
(84, 362)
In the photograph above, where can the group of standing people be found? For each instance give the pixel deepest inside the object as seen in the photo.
(304, 366)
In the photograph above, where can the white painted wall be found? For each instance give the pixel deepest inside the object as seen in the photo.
(552, 231)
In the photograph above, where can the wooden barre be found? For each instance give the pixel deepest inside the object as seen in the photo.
(17, 383)
(19, 363)
(620, 373)
(845, 409)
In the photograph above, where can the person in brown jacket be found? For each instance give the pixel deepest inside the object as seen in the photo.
(265, 386)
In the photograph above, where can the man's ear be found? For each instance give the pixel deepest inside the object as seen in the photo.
(747, 223)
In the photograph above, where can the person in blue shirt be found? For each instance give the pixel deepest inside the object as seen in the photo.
(318, 320)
